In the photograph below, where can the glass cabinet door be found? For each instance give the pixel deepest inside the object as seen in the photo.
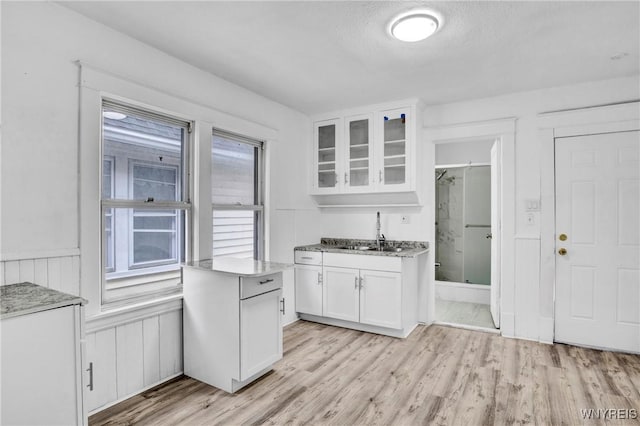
(326, 139)
(358, 151)
(394, 169)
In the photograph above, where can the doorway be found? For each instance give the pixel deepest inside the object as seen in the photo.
(465, 254)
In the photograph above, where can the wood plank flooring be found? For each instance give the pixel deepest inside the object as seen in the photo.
(438, 375)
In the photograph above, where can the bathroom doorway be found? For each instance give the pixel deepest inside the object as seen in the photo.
(464, 226)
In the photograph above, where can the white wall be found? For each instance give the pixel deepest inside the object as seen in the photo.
(39, 171)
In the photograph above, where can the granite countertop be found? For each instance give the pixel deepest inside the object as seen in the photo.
(27, 298)
(240, 267)
(336, 245)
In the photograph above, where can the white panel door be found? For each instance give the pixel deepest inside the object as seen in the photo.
(260, 333)
(381, 298)
(308, 280)
(341, 293)
(495, 235)
(598, 264)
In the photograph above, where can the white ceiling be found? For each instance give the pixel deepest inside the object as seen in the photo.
(317, 56)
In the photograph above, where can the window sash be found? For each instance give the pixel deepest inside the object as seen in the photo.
(144, 279)
(258, 205)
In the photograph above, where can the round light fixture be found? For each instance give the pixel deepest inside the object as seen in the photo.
(114, 115)
(415, 26)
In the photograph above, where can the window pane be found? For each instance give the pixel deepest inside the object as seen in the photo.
(159, 183)
(108, 246)
(153, 247)
(107, 178)
(234, 233)
(233, 172)
(149, 155)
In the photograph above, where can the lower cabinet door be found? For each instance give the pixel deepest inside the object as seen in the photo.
(260, 333)
(308, 289)
(381, 298)
(341, 293)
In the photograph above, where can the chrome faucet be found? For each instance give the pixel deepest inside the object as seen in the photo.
(379, 237)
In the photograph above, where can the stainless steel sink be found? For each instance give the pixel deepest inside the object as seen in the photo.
(361, 248)
(393, 249)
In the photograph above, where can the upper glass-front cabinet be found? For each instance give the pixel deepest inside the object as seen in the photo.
(327, 140)
(394, 165)
(359, 152)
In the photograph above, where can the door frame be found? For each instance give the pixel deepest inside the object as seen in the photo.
(502, 130)
(558, 124)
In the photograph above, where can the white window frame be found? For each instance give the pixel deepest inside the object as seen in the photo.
(145, 281)
(112, 248)
(259, 187)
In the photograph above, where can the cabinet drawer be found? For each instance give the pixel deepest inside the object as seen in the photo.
(308, 257)
(251, 286)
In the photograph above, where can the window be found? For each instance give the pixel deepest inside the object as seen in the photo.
(237, 195)
(145, 203)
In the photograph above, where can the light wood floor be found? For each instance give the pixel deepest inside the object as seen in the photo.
(438, 375)
(475, 314)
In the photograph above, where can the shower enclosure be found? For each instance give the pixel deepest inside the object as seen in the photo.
(463, 224)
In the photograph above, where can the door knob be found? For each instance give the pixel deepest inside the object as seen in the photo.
(488, 236)
(562, 237)
(562, 251)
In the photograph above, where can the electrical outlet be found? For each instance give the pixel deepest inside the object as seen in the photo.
(404, 219)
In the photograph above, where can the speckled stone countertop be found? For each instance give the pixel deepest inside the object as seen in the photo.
(27, 298)
(240, 267)
(336, 245)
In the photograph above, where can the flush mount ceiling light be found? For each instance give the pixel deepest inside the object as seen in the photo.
(114, 115)
(414, 26)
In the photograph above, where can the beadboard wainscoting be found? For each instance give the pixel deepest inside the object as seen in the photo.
(133, 356)
(130, 350)
(58, 272)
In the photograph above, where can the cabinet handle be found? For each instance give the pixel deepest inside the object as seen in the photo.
(319, 278)
(361, 283)
(270, 280)
(283, 306)
(345, 178)
(307, 257)
(355, 280)
(380, 176)
(90, 370)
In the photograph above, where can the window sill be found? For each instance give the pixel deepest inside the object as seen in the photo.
(113, 317)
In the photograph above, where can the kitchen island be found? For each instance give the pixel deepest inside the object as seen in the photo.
(232, 320)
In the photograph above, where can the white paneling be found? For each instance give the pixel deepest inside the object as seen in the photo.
(67, 283)
(101, 351)
(151, 349)
(582, 291)
(54, 272)
(41, 272)
(129, 358)
(12, 272)
(170, 343)
(26, 270)
(628, 289)
(527, 276)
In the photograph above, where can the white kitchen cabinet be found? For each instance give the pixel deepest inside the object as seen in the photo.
(328, 157)
(232, 318)
(358, 151)
(368, 151)
(367, 292)
(41, 354)
(260, 333)
(308, 279)
(341, 293)
(381, 298)
(395, 158)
